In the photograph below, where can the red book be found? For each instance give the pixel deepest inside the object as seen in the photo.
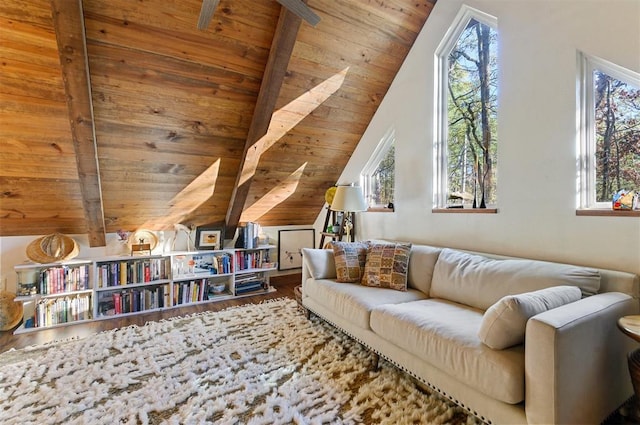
(147, 273)
(117, 303)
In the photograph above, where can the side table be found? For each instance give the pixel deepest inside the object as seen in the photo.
(630, 326)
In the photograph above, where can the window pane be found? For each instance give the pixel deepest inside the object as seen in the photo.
(617, 133)
(472, 115)
(383, 180)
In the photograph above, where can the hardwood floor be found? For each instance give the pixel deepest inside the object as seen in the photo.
(284, 288)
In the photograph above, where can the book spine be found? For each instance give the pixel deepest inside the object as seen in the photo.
(123, 272)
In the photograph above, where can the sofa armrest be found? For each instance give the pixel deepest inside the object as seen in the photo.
(575, 360)
(318, 264)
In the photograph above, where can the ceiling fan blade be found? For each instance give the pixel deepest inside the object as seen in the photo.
(206, 13)
(300, 9)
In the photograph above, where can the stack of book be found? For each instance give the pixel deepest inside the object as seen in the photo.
(249, 283)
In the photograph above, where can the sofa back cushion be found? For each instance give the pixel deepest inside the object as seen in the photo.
(320, 263)
(503, 324)
(480, 282)
(422, 260)
(350, 258)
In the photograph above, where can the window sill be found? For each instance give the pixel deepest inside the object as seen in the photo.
(465, 210)
(604, 212)
(380, 209)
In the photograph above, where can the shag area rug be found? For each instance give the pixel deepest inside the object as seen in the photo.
(255, 364)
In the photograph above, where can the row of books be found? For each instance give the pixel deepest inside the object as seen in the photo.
(253, 259)
(202, 264)
(55, 311)
(248, 235)
(55, 280)
(217, 263)
(134, 300)
(191, 291)
(132, 271)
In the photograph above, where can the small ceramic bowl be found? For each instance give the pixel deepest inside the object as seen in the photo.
(218, 288)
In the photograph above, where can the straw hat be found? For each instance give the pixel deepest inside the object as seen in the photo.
(52, 248)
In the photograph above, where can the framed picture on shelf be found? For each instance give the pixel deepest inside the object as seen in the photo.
(209, 237)
(290, 244)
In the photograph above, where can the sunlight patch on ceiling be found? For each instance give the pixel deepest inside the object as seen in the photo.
(188, 199)
(275, 196)
(287, 117)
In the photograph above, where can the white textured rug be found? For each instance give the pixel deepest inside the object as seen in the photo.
(255, 364)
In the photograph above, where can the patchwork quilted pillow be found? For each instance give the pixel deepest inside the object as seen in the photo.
(350, 259)
(386, 266)
(503, 324)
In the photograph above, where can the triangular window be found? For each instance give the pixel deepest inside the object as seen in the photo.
(378, 176)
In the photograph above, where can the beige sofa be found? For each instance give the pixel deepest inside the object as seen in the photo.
(570, 366)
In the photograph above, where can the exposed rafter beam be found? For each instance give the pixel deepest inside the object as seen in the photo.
(302, 10)
(68, 22)
(298, 7)
(281, 48)
(206, 13)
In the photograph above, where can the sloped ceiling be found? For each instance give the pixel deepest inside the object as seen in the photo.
(173, 106)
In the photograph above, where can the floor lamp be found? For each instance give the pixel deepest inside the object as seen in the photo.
(349, 200)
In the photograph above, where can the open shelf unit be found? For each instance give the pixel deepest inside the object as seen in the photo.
(76, 291)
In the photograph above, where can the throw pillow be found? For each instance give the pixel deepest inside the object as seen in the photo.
(350, 258)
(503, 324)
(386, 266)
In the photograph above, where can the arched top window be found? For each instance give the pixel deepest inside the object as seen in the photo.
(466, 113)
(609, 138)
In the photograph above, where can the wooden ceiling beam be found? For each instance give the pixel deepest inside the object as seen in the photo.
(281, 48)
(68, 22)
(302, 10)
(206, 13)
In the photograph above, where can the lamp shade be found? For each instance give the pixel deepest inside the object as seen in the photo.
(348, 198)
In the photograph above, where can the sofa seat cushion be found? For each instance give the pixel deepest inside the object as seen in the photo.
(444, 334)
(353, 301)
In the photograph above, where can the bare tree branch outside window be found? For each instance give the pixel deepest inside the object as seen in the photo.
(472, 115)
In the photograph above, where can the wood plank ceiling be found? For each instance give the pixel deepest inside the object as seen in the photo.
(172, 108)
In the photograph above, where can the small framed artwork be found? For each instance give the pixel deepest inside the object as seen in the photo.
(290, 244)
(209, 237)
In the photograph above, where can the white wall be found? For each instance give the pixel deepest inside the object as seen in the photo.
(538, 43)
